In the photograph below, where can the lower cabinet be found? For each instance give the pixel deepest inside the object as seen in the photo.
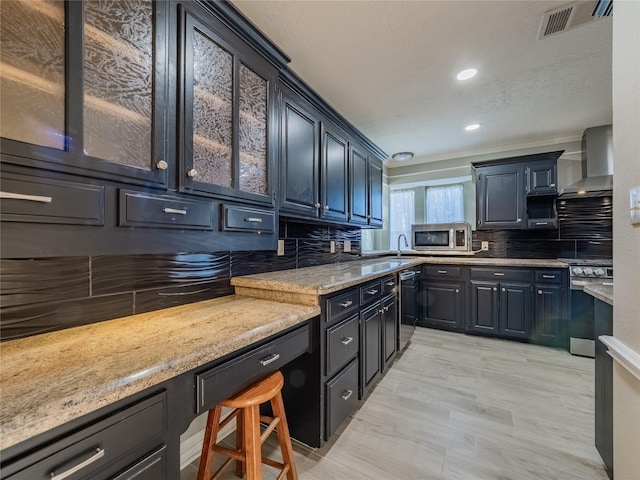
(389, 329)
(370, 347)
(442, 305)
(342, 396)
(550, 304)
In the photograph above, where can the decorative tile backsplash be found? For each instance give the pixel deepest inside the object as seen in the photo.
(46, 294)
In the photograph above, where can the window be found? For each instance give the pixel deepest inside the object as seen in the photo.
(401, 216)
(444, 204)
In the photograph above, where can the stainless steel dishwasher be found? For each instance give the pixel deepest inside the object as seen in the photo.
(408, 306)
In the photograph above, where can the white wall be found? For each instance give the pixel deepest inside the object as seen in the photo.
(626, 238)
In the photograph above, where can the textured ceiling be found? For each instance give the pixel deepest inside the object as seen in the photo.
(389, 67)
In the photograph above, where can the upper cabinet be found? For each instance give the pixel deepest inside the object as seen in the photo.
(227, 128)
(334, 183)
(517, 193)
(365, 187)
(93, 98)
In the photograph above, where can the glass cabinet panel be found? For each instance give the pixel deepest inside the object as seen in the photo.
(118, 81)
(212, 112)
(32, 72)
(253, 132)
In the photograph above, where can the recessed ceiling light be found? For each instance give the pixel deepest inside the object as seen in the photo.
(467, 74)
(473, 126)
(402, 156)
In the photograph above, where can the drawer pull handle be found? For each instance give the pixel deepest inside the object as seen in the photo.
(22, 196)
(498, 274)
(548, 276)
(346, 340)
(346, 304)
(542, 223)
(346, 394)
(270, 359)
(174, 211)
(67, 473)
(390, 284)
(539, 292)
(372, 292)
(253, 219)
(442, 271)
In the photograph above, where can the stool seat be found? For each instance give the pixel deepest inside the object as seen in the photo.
(249, 439)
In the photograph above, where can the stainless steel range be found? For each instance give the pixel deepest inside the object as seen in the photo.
(583, 272)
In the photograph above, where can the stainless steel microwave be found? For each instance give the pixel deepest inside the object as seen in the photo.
(441, 237)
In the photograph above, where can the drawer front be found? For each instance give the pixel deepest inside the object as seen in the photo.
(221, 382)
(342, 397)
(389, 284)
(502, 274)
(370, 291)
(41, 200)
(244, 219)
(549, 276)
(342, 305)
(139, 209)
(152, 467)
(105, 446)
(342, 343)
(443, 271)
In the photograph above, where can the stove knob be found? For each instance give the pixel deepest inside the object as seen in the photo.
(588, 271)
(599, 272)
(577, 270)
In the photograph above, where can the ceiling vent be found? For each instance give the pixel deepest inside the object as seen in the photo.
(572, 15)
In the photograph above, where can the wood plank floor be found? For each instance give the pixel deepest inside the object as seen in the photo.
(462, 407)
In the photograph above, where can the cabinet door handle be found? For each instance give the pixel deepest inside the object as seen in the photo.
(457, 290)
(498, 274)
(269, 359)
(317, 205)
(67, 473)
(346, 394)
(253, 219)
(346, 340)
(22, 196)
(504, 289)
(390, 284)
(192, 173)
(442, 271)
(552, 185)
(372, 292)
(174, 210)
(346, 304)
(495, 289)
(519, 220)
(162, 165)
(548, 276)
(539, 292)
(326, 208)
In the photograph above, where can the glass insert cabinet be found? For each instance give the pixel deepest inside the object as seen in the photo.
(88, 88)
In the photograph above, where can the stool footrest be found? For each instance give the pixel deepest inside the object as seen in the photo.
(272, 425)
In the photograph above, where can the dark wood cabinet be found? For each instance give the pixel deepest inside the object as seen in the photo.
(389, 329)
(541, 178)
(500, 197)
(603, 314)
(365, 187)
(442, 305)
(375, 192)
(370, 347)
(484, 308)
(333, 174)
(515, 310)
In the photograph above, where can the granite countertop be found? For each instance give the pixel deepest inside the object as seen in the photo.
(601, 292)
(52, 378)
(305, 285)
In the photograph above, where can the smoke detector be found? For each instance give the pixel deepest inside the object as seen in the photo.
(573, 15)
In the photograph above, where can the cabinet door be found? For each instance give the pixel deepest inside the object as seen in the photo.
(335, 151)
(515, 310)
(375, 193)
(370, 347)
(226, 98)
(541, 178)
(500, 197)
(299, 151)
(443, 306)
(548, 315)
(106, 118)
(390, 331)
(484, 307)
(358, 186)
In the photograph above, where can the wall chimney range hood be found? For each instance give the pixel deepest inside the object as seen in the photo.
(597, 165)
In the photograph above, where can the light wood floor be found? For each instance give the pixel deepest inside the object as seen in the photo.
(462, 407)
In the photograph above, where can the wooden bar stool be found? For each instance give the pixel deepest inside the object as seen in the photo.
(248, 452)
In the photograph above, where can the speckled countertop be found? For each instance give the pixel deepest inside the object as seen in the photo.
(304, 285)
(49, 379)
(601, 292)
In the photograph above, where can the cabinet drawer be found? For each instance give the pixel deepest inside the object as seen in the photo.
(104, 447)
(443, 271)
(341, 305)
(151, 467)
(245, 219)
(370, 291)
(549, 276)
(501, 274)
(43, 200)
(342, 343)
(223, 381)
(342, 397)
(139, 209)
(389, 285)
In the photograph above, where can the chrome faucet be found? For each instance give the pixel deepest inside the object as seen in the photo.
(406, 244)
